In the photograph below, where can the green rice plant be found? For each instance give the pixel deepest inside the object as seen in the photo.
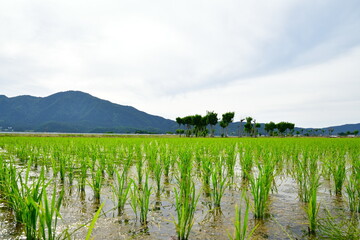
(246, 162)
(134, 198)
(140, 200)
(157, 171)
(312, 210)
(312, 207)
(260, 188)
(206, 170)
(306, 175)
(139, 170)
(24, 197)
(121, 190)
(230, 160)
(83, 174)
(70, 172)
(185, 205)
(96, 183)
(62, 167)
(49, 212)
(144, 201)
(218, 184)
(167, 161)
(241, 223)
(338, 169)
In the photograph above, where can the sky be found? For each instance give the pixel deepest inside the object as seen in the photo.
(278, 60)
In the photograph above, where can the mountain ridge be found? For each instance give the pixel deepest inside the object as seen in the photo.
(76, 111)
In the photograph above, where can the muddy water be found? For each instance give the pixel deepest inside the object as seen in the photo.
(287, 218)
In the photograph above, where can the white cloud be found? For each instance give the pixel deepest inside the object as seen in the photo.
(180, 57)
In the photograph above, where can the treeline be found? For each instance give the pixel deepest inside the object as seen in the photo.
(196, 125)
(202, 126)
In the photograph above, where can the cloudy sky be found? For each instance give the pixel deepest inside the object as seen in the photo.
(277, 60)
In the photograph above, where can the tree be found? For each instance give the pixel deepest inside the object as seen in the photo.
(248, 126)
(270, 127)
(179, 121)
(356, 132)
(282, 126)
(227, 118)
(180, 131)
(188, 122)
(223, 125)
(212, 120)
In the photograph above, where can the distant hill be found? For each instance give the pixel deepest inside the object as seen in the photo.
(75, 111)
(234, 128)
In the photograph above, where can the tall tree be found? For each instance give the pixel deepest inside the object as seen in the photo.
(248, 125)
(270, 127)
(212, 120)
(179, 121)
(227, 118)
(187, 121)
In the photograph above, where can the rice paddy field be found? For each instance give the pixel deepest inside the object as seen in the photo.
(179, 188)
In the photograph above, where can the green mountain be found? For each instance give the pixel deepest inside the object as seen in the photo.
(75, 111)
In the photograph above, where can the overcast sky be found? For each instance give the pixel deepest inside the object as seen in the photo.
(277, 60)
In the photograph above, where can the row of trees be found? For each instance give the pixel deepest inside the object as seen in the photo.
(282, 128)
(197, 125)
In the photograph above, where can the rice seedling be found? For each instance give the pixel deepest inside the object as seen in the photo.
(144, 201)
(206, 169)
(24, 198)
(49, 212)
(246, 162)
(185, 205)
(121, 190)
(83, 174)
(338, 168)
(260, 187)
(218, 183)
(312, 207)
(96, 183)
(157, 171)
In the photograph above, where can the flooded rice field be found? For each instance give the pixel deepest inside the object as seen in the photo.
(138, 188)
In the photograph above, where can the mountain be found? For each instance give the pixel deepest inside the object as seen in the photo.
(75, 111)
